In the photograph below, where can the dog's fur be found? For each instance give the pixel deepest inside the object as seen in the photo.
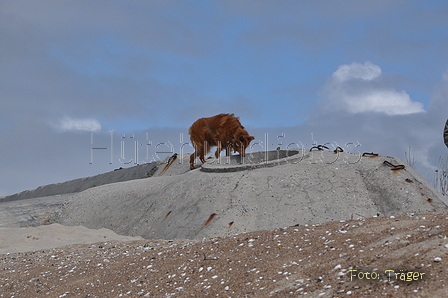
(224, 131)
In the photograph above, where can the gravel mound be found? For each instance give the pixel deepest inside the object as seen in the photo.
(405, 256)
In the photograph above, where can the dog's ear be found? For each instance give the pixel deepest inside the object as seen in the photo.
(250, 138)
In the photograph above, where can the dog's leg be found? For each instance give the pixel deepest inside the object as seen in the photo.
(192, 158)
(202, 157)
(194, 155)
(218, 150)
(229, 149)
(203, 151)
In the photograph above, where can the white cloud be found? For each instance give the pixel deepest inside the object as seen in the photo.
(354, 88)
(389, 102)
(367, 71)
(445, 75)
(71, 124)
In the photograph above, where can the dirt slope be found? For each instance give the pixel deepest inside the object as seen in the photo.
(313, 261)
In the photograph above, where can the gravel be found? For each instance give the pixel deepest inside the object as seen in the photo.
(309, 260)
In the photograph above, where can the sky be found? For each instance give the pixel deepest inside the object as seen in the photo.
(132, 76)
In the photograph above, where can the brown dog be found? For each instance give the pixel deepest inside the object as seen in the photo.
(224, 131)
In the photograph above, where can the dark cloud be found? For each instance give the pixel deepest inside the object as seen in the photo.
(72, 67)
(88, 59)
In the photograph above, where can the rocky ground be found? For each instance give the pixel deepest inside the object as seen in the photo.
(404, 256)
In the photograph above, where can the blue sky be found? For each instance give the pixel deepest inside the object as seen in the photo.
(373, 72)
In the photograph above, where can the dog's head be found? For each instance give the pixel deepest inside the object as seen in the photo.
(241, 142)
